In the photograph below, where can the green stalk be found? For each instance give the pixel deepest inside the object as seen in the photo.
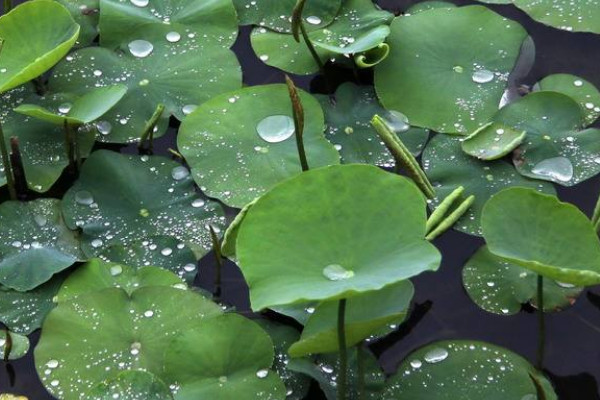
(7, 346)
(18, 170)
(341, 331)
(449, 221)
(298, 112)
(7, 6)
(360, 367)
(148, 132)
(596, 216)
(69, 145)
(219, 258)
(10, 181)
(440, 212)
(299, 28)
(541, 323)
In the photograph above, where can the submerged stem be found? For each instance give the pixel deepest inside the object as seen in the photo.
(69, 145)
(148, 133)
(298, 112)
(219, 258)
(541, 323)
(360, 370)
(596, 215)
(343, 353)
(10, 182)
(17, 167)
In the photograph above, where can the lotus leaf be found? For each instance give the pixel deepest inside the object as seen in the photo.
(493, 141)
(131, 385)
(580, 16)
(230, 236)
(19, 345)
(86, 14)
(428, 5)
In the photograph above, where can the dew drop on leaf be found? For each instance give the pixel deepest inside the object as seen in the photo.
(275, 128)
(140, 48)
(335, 272)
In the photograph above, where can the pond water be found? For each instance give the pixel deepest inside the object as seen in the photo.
(442, 308)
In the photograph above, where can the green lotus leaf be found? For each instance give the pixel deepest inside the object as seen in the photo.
(339, 248)
(448, 167)
(428, 5)
(131, 385)
(36, 243)
(568, 15)
(96, 275)
(276, 14)
(540, 233)
(213, 361)
(30, 49)
(241, 144)
(556, 148)
(359, 26)
(349, 126)
(160, 251)
(194, 24)
(120, 198)
(42, 144)
(501, 287)
(93, 338)
(298, 312)
(463, 369)
(230, 236)
(452, 79)
(19, 345)
(24, 312)
(366, 314)
(86, 14)
(580, 90)
(283, 336)
(176, 76)
(492, 141)
(83, 110)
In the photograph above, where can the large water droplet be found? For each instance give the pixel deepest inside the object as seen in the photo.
(65, 108)
(313, 20)
(173, 37)
(197, 203)
(40, 220)
(104, 127)
(84, 198)
(96, 243)
(167, 251)
(116, 270)
(275, 128)
(262, 373)
(556, 168)
(482, 76)
(436, 355)
(179, 173)
(140, 48)
(188, 109)
(335, 272)
(416, 363)
(135, 348)
(52, 364)
(140, 3)
(397, 121)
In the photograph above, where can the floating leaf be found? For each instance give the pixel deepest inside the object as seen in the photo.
(448, 167)
(276, 14)
(241, 144)
(120, 198)
(428, 5)
(96, 336)
(353, 248)
(492, 141)
(542, 234)
(501, 287)
(85, 13)
(36, 243)
(213, 361)
(451, 79)
(159, 251)
(30, 49)
(178, 77)
(131, 385)
(359, 26)
(366, 314)
(19, 345)
(580, 16)
(464, 369)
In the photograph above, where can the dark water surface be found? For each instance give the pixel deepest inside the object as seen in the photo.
(442, 308)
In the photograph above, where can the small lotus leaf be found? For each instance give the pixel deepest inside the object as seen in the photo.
(464, 369)
(366, 314)
(448, 167)
(451, 79)
(213, 361)
(30, 49)
(120, 198)
(95, 337)
(36, 243)
(540, 233)
(339, 240)
(19, 345)
(501, 287)
(86, 14)
(131, 385)
(241, 144)
(492, 141)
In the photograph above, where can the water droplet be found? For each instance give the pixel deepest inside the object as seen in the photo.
(135, 348)
(458, 69)
(436, 355)
(275, 128)
(557, 168)
(54, 383)
(416, 363)
(96, 243)
(144, 213)
(264, 58)
(327, 369)
(167, 251)
(179, 173)
(97, 73)
(144, 82)
(565, 285)
(262, 373)
(313, 20)
(173, 37)
(335, 272)
(116, 270)
(65, 108)
(397, 121)
(148, 314)
(197, 203)
(578, 83)
(140, 3)
(189, 267)
(491, 284)
(190, 108)
(482, 76)
(103, 127)
(223, 379)
(84, 198)
(52, 364)
(40, 220)
(140, 48)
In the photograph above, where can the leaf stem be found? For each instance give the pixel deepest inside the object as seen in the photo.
(7, 345)
(70, 145)
(596, 215)
(17, 166)
(148, 132)
(10, 181)
(7, 6)
(440, 212)
(451, 219)
(299, 28)
(219, 258)
(541, 323)
(298, 112)
(343, 353)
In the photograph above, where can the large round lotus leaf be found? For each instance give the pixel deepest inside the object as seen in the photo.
(579, 16)
(228, 358)
(42, 144)
(159, 251)
(131, 385)
(30, 49)
(360, 26)
(24, 312)
(580, 90)
(19, 345)
(339, 240)
(464, 369)
(83, 110)
(95, 337)
(366, 314)
(349, 126)
(86, 14)
(195, 24)
(448, 167)
(283, 336)
(35, 243)
(277, 14)
(97, 275)
(542, 234)
(501, 287)
(241, 144)
(451, 79)
(178, 76)
(120, 198)
(555, 149)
